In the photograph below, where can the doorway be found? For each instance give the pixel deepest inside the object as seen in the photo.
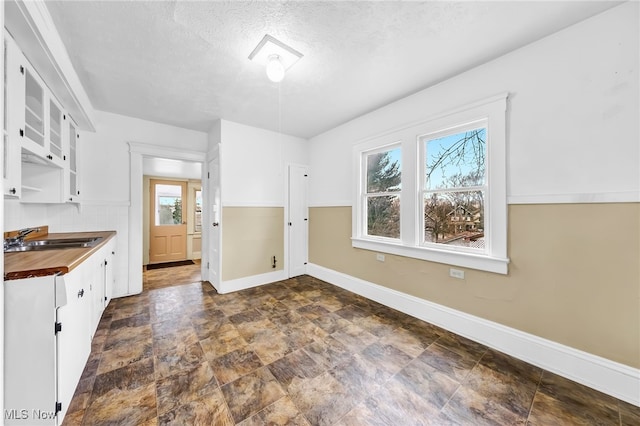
(167, 221)
(139, 154)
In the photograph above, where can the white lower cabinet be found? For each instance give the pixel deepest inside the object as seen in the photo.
(49, 324)
(30, 358)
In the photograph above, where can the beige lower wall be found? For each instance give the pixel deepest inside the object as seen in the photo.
(574, 276)
(251, 236)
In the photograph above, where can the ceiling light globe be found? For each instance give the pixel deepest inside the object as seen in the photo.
(275, 69)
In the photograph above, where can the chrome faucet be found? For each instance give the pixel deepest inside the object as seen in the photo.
(18, 239)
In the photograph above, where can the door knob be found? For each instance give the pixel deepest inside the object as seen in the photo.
(215, 224)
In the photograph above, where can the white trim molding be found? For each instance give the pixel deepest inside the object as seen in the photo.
(170, 152)
(251, 281)
(331, 203)
(119, 203)
(269, 204)
(612, 378)
(466, 260)
(577, 198)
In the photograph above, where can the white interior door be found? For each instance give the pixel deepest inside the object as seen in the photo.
(298, 220)
(215, 214)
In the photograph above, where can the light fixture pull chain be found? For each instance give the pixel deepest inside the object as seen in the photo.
(280, 119)
(280, 109)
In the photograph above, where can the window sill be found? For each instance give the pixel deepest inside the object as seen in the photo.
(465, 260)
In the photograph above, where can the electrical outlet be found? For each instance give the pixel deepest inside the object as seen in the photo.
(456, 273)
(380, 257)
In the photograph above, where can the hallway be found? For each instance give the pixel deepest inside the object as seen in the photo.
(153, 279)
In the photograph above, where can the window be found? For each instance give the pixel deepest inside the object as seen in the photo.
(382, 192)
(446, 202)
(197, 222)
(454, 186)
(168, 205)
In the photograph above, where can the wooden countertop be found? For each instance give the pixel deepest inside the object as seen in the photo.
(27, 264)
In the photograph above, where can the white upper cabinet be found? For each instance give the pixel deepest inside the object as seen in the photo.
(36, 137)
(11, 161)
(42, 94)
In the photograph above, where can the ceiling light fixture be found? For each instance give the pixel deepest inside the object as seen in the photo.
(275, 69)
(276, 56)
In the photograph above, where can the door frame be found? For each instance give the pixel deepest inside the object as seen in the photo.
(287, 228)
(137, 151)
(214, 154)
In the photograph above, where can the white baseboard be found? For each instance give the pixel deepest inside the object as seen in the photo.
(248, 282)
(612, 378)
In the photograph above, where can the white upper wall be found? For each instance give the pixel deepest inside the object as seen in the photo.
(253, 164)
(572, 127)
(104, 156)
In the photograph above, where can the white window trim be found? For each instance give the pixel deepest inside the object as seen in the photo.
(495, 260)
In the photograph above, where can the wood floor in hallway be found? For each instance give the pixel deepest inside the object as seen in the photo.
(167, 277)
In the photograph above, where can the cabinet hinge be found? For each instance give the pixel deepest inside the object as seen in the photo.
(58, 327)
(21, 69)
(207, 265)
(208, 175)
(58, 407)
(21, 133)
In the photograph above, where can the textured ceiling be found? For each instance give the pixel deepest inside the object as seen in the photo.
(185, 63)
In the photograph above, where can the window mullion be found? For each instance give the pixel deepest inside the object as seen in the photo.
(458, 189)
(383, 194)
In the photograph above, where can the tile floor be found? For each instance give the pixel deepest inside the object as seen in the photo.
(303, 352)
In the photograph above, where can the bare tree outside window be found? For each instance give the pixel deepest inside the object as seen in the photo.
(383, 206)
(454, 189)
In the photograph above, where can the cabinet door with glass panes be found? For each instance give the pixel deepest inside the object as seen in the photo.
(41, 129)
(72, 183)
(56, 131)
(11, 171)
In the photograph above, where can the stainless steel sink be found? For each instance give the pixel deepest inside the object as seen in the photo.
(54, 243)
(57, 241)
